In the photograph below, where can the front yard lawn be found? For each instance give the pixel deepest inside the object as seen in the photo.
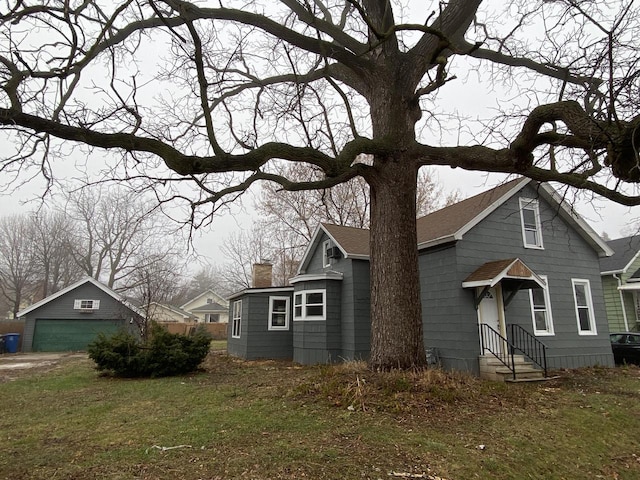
(268, 420)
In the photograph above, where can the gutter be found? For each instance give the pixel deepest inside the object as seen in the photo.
(624, 310)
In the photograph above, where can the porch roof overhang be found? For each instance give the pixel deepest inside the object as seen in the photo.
(512, 272)
(633, 287)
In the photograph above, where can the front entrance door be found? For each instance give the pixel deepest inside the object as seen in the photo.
(490, 313)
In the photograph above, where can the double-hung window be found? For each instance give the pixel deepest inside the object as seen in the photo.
(236, 319)
(531, 228)
(541, 309)
(584, 307)
(326, 260)
(278, 313)
(309, 305)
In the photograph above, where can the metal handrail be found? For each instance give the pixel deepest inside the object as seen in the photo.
(529, 345)
(491, 341)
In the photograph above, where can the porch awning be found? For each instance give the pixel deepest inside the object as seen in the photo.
(633, 287)
(512, 272)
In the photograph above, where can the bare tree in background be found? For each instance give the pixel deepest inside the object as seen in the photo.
(242, 250)
(218, 95)
(117, 234)
(18, 266)
(289, 219)
(154, 283)
(52, 246)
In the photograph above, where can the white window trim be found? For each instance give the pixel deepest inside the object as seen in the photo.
(531, 204)
(77, 304)
(304, 316)
(547, 304)
(589, 306)
(271, 326)
(326, 261)
(236, 319)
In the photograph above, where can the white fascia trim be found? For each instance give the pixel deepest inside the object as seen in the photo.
(491, 208)
(250, 291)
(79, 283)
(570, 214)
(612, 272)
(635, 257)
(630, 287)
(313, 244)
(208, 290)
(356, 257)
(439, 241)
(319, 276)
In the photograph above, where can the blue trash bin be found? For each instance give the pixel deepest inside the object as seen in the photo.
(11, 342)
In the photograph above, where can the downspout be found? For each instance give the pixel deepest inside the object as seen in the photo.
(624, 310)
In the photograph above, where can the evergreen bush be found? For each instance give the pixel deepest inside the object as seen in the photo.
(164, 354)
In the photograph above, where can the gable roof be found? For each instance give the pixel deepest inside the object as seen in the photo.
(210, 307)
(173, 308)
(626, 250)
(206, 292)
(451, 223)
(79, 283)
(491, 273)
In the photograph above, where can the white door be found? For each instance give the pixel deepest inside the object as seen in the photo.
(489, 314)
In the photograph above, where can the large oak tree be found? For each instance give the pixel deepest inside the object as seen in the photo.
(217, 92)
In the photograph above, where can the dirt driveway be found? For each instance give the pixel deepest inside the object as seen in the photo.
(18, 365)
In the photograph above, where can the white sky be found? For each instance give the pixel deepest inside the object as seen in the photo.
(461, 95)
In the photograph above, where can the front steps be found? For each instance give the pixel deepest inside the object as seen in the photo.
(492, 369)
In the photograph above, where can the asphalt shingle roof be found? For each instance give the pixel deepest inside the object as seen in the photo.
(624, 250)
(439, 224)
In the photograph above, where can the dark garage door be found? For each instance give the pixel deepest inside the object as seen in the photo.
(69, 335)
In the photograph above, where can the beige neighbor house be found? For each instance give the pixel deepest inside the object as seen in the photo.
(208, 307)
(170, 314)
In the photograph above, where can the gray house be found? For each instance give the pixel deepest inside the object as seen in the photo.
(513, 265)
(72, 318)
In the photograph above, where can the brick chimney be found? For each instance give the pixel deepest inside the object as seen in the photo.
(261, 275)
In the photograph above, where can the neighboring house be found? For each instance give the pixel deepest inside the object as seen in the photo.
(169, 314)
(208, 307)
(621, 284)
(515, 255)
(72, 318)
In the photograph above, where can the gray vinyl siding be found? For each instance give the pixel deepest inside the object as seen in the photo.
(354, 297)
(256, 340)
(319, 341)
(565, 256)
(62, 308)
(449, 317)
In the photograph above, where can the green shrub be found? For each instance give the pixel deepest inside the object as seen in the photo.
(165, 354)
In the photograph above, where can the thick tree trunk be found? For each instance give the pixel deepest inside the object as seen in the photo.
(396, 313)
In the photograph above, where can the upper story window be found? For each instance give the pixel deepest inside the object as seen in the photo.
(541, 309)
(86, 304)
(236, 319)
(531, 229)
(584, 307)
(211, 317)
(326, 259)
(278, 313)
(309, 305)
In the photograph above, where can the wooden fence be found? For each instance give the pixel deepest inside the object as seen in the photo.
(218, 331)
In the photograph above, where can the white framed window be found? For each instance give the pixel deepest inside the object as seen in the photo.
(278, 313)
(236, 319)
(211, 317)
(541, 309)
(309, 305)
(531, 228)
(86, 304)
(584, 307)
(326, 260)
